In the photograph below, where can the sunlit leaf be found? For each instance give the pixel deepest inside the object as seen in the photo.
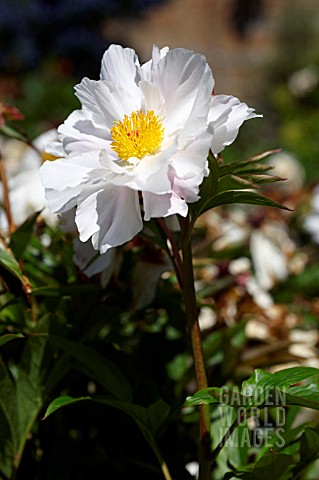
(240, 197)
(21, 237)
(61, 402)
(9, 263)
(8, 337)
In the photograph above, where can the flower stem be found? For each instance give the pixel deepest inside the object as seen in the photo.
(6, 199)
(197, 350)
(162, 463)
(173, 251)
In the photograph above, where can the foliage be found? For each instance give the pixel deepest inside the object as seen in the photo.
(89, 382)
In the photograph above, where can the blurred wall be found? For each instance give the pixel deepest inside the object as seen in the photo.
(238, 37)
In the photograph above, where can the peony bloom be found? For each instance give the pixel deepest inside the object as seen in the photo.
(137, 149)
(26, 192)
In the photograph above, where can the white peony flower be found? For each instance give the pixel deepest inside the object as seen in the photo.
(142, 136)
(26, 193)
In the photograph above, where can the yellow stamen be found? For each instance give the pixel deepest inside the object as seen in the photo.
(47, 156)
(137, 135)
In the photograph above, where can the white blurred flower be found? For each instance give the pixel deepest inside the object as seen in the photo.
(287, 166)
(270, 261)
(143, 133)
(304, 81)
(269, 243)
(207, 318)
(192, 468)
(311, 223)
(26, 193)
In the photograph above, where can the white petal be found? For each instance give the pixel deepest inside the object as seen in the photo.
(55, 149)
(89, 260)
(197, 120)
(157, 54)
(60, 202)
(42, 140)
(107, 101)
(179, 75)
(152, 99)
(148, 174)
(226, 115)
(68, 172)
(108, 214)
(121, 67)
(79, 134)
(64, 179)
(192, 159)
(158, 206)
(151, 173)
(187, 187)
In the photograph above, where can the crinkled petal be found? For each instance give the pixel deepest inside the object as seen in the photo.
(60, 202)
(108, 102)
(186, 187)
(68, 172)
(193, 158)
(108, 214)
(90, 261)
(55, 149)
(78, 134)
(226, 115)
(148, 174)
(46, 137)
(152, 99)
(121, 67)
(157, 206)
(64, 179)
(157, 55)
(179, 77)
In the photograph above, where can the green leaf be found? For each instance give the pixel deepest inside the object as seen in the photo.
(209, 185)
(287, 377)
(309, 445)
(205, 396)
(264, 390)
(261, 179)
(9, 427)
(240, 196)
(244, 165)
(29, 382)
(11, 132)
(147, 419)
(304, 396)
(208, 189)
(8, 337)
(61, 402)
(21, 237)
(271, 466)
(157, 413)
(56, 290)
(105, 372)
(10, 264)
(233, 182)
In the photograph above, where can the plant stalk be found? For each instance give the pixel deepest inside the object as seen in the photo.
(197, 350)
(6, 199)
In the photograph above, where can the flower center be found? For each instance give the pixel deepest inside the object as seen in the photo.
(137, 135)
